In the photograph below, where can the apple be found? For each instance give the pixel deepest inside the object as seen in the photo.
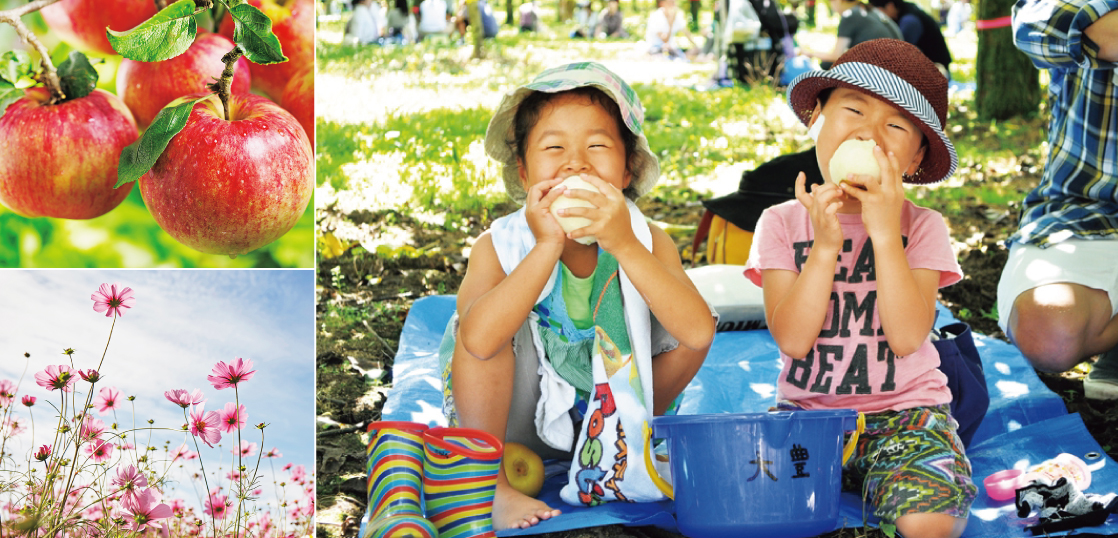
(570, 224)
(146, 87)
(523, 468)
(854, 157)
(61, 160)
(82, 23)
(230, 187)
(298, 99)
(293, 24)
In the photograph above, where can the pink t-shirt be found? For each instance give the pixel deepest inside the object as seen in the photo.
(851, 365)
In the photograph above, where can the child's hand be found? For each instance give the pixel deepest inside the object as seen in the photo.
(537, 209)
(609, 218)
(822, 203)
(881, 200)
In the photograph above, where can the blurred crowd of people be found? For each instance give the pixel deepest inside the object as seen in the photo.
(748, 39)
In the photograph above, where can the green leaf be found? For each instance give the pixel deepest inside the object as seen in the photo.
(254, 35)
(140, 156)
(8, 95)
(77, 75)
(162, 37)
(889, 529)
(14, 65)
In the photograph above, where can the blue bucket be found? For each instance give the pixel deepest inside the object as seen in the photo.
(759, 475)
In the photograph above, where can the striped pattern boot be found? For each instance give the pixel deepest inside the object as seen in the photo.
(394, 462)
(460, 478)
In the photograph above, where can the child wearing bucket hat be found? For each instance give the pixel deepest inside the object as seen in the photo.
(850, 272)
(537, 301)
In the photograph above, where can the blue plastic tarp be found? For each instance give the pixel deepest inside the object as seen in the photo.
(1026, 422)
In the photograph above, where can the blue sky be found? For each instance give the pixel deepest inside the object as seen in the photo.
(182, 323)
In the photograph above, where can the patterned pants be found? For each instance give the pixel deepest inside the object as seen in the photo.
(911, 462)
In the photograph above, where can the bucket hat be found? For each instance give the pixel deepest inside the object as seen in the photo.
(643, 165)
(899, 73)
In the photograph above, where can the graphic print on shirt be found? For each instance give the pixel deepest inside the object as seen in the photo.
(851, 315)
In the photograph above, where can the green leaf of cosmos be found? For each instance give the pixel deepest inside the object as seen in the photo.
(162, 37)
(254, 34)
(140, 156)
(14, 65)
(77, 75)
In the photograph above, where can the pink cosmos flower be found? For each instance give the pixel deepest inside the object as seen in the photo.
(128, 480)
(233, 475)
(56, 377)
(144, 509)
(7, 392)
(100, 451)
(288, 466)
(273, 453)
(90, 375)
(92, 428)
(185, 399)
(205, 425)
(298, 474)
(110, 300)
(183, 452)
(216, 504)
(233, 417)
(29, 400)
(229, 375)
(14, 426)
(247, 449)
(43, 453)
(107, 399)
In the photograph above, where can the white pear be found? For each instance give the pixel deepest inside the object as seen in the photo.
(854, 157)
(570, 224)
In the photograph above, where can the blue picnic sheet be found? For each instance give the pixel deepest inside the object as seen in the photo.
(1026, 422)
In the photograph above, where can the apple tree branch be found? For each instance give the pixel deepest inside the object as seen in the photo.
(49, 75)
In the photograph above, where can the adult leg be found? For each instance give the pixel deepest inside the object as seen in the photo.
(1058, 304)
(484, 395)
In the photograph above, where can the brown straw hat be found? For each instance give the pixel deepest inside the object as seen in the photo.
(900, 74)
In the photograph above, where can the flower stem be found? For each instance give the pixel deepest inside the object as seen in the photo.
(213, 520)
(241, 479)
(223, 85)
(49, 76)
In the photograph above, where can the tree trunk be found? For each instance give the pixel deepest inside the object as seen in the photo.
(509, 13)
(1008, 85)
(478, 28)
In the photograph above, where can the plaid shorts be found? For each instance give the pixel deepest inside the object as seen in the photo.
(911, 462)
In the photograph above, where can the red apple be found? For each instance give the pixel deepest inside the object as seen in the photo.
(61, 160)
(230, 187)
(146, 87)
(298, 99)
(82, 23)
(293, 24)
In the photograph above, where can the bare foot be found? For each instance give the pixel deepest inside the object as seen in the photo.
(513, 509)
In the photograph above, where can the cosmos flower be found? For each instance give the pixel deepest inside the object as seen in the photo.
(110, 300)
(229, 375)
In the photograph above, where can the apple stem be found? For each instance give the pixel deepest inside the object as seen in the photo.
(222, 86)
(49, 76)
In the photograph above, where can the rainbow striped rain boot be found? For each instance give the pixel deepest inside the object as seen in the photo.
(394, 462)
(459, 480)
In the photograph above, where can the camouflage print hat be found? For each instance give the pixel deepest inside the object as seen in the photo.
(499, 137)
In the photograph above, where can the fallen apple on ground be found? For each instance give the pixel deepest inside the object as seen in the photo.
(230, 187)
(523, 468)
(60, 160)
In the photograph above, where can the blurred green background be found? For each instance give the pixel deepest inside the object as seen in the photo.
(126, 236)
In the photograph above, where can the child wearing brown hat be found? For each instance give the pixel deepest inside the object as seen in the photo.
(850, 270)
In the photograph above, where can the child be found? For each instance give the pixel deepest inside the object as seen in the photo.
(528, 286)
(850, 274)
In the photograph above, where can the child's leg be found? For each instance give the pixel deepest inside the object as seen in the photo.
(930, 526)
(911, 468)
(673, 367)
(484, 392)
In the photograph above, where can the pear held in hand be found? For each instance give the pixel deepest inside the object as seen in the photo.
(523, 468)
(570, 224)
(854, 157)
